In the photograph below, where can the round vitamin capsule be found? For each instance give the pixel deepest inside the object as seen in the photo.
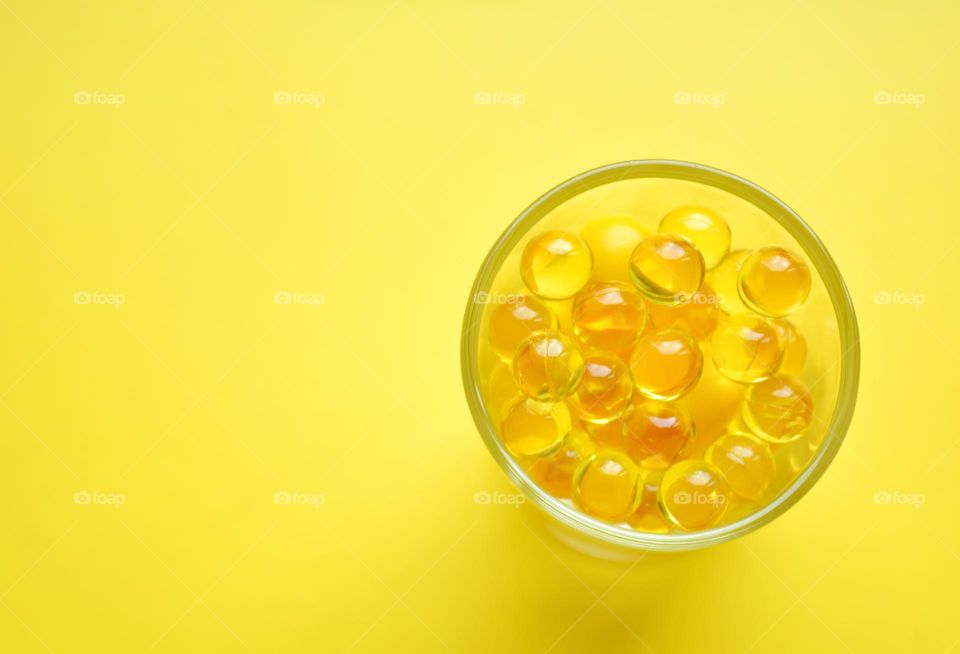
(794, 347)
(704, 228)
(648, 517)
(746, 463)
(555, 473)
(694, 494)
(745, 348)
(607, 435)
(655, 433)
(532, 428)
(774, 281)
(605, 486)
(666, 268)
(513, 320)
(666, 364)
(611, 240)
(723, 281)
(608, 316)
(698, 315)
(605, 391)
(555, 264)
(548, 366)
(778, 409)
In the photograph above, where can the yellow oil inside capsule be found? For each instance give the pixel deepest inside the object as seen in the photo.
(694, 494)
(779, 409)
(605, 486)
(794, 347)
(666, 364)
(774, 281)
(605, 390)
(724, 281)
(698, 315)
(554, 473)
(745, 348)
(556, 264)
(745, 461)
(608, 316)
(533, 428)
(548, 366)
(666, 268)
(648, 517)
(607, 435)
(512, 319)
(703, 227)
(656, 433)
(611, 241)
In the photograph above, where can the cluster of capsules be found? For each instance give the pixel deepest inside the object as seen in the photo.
(647, 377)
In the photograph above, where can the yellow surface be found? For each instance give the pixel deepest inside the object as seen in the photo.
(291, 202)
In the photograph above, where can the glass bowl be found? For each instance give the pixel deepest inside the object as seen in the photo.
(648, 189)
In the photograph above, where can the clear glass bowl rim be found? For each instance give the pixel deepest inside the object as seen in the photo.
(773, 207)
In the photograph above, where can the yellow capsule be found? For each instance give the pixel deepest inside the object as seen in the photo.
(694, 494)
(607, 435)
(745, 348)
(533, 428)
(655, 433)
(698, 315)
(608, 316)
(611, 240)
(548, 366)
(723, 281)
(666, 364)
(605, 391)
(703, 227)
(514, 319)
(648, 517)
(556, 264)
(554, 473)
(745, 461)
(778, 409)
(666, 268)
(774, 281)
(605, 486)
(794, 347)
(501, 389)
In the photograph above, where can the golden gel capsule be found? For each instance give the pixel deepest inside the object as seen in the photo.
(514, 319)
(607, 435)
(548, 366)
(666, 268)
(611, 241)
(605, 391)
(554, 473)
(698, 315)
(745, 348)
(794, 347)
(694, 494)
(724, 281)
(655, 433)
(778, 409)
(666, 364)
(533, 428)
(556, 264)
(745, 461)
(774, 281)
(648, 516)
(605, 486)
(608, 316)
(702, 227)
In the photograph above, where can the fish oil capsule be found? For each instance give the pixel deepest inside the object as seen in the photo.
(555, 264)
(513, 320)
(745, 348)
(605, 390)
(608, 316)
(655, 433)
(694, 494)
(778, 409)
(548, 366)
(554, 473)
(611, 241)
(605, 486)
(702, 227)
(533, 428)
(608, 435)
(723, 281)
(666, 268)
(698, 315)
(648, 516)
(774, 281)
(666, 364)
(794, 347)
(745, 461)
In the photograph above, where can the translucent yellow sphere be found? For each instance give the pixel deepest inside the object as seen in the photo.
(605, 486)
(611, 240)
(533, 428)
(606, 435)
(655, 433)
(605, 390)
(548, 366)
(774, 281)
(554, 473)
(745, 461)
(794, 347)
(724, 281)
(608, 316)
(694, 494)
(648, 516)
(556, 264)
(666, 364)
(698, 315)
(779, 409)
(512, 319)
(745, 348)
(666, 268)
(703, 227)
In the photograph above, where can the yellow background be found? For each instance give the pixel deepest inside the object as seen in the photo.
(200, 398)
